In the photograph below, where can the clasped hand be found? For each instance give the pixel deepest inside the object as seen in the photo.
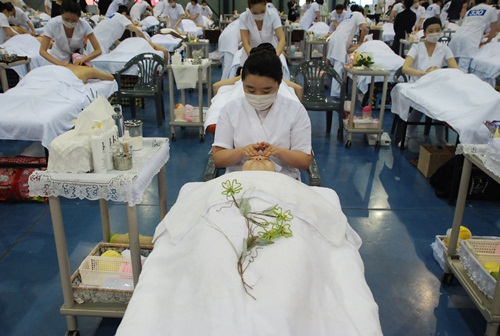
(261, 148)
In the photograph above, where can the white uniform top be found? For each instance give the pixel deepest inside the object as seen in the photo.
(336, 17)
(64, 47)
(108, 31)
(286, 125)
(21, 19)
(419, 12)
(206, 11)
(466, 40)
(48, 3)
(422, 61)
(432, 10)
(309, 16)
(270, 6)
(173, 14)
(137, 10)
(193, 10)
(267, 34)
(304, 9)
(398, 8)
(113, 7)
(342, 37)
(159, 8)
(444, 12)
(4, 23)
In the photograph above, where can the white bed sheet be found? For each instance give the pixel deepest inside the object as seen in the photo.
(123, 53)
(310, 284)
(189, 27)
(383, 56)
(486, 63)
(45, 102)
(236, 65)
(230, 92)
(167, 41)
(388, 32)
(25, 45)
(461, 100)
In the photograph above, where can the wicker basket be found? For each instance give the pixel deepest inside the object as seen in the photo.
(96, 272)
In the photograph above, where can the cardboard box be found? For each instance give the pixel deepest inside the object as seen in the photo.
(431, 158)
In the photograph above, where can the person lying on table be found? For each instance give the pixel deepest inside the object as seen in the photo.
(263, 121)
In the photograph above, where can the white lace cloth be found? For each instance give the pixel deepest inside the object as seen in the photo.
(122, 186)
(488, 154)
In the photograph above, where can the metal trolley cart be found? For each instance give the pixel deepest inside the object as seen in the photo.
(349, 128)
(489, 308)
(123, 186)
(203, 68)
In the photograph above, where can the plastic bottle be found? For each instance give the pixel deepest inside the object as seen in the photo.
(177, 58)
(98, 145)
(118, 118)
(108, 138)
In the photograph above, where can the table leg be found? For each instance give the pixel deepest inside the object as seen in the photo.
(62, 258)
(382, 105)
(106, 229)
(3, 79)
(135, 249)
(162, 191)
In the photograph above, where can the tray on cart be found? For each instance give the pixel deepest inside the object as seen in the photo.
(473, 254)
(91, 283)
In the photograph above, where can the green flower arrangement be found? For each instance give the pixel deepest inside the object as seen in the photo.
(263, 227)
(363, 59)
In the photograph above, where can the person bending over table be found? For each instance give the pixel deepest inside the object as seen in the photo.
(263, 122)
(423, 58)
(6, 31)
(19, 20)
(68, 32)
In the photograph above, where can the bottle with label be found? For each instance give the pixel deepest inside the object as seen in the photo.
(177, 58)
(99, 151)
(118, 118)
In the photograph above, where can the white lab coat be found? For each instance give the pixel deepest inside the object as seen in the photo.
(286, 125)
(63, 47)
(419, 12)
(466, 40)
(113, 7)
(137, 10)
(108, 31)
(193, 10)
(422, 61)
(21, 19)
(267, 34)
(334, 16)
(432, 10)
(173, 14)
(229, 41)
(4, 23)
(206, 11)
(309, 16)
(160, 8)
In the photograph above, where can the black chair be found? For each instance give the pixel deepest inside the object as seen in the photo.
(150, 68)
(444, 40)
(399, 125)
(315, 74)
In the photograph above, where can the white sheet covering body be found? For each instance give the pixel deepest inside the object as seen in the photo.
(24, 45)
(189, 27)
(123, 53)
(486, 63)
(310, 284)
(45, 102)
(462, 100)
(166, 41)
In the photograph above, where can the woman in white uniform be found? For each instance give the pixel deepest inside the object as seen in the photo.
(259, 25)
(425, 57)
(311, 15)
(6, 31)
(420, 12)
(263, 121)
(174, 14)
(68, 32)
(138, 9)
(467, 39)
(20, 20)
(195, 12)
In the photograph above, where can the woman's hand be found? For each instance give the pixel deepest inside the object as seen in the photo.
(251, 150)
(431, 69)
(79, 61)
(270, 150)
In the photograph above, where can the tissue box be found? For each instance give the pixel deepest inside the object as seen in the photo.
(365, 123)
(70, 153)
(431, 158)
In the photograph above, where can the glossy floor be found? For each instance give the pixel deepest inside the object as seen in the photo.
(386, 199)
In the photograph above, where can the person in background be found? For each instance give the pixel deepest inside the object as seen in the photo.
(455, 9)
(263, 122)
(270, 6)
(47, 6)
(68, 31)
(56, 8)
(305, 7)
(389, 11)
(337, 16)
(159, 9)
(467, 39)
(396, 9)
(420, 13)
(259, 25)
(103, 6)
(403, 24)
(174, 14)
(205, 10)
(425, 57)
(313, 14)
(19, 20)
(293, 14)
(113, 7)
(194, 12)
(434, 10)
(6, 31)
(138, 9)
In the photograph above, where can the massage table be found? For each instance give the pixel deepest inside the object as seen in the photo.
(167, 41)
(123, 53)
(25, 45)
(486, 63)
(189, 27)
(310, 284)
(45, 102)
(463, 101)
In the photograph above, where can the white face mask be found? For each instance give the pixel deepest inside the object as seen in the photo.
(433, 38)
(69, 25)
(259, 17)
(260, 102)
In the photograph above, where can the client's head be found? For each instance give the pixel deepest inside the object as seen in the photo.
(261, 76)
(259, 162)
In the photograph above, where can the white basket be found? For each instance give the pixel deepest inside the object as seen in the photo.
(438, 250)
(95, 271)
(483, 246)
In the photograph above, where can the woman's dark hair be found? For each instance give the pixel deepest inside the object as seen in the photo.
(70, 6)
(263, 61)
(255, 2)
(431, 21)
(320, 2)
(408, 3)
(8, 6)
(2, 6)
(123, 9)
(339, 6)
(356, 8)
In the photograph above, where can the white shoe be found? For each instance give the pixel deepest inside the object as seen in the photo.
(406, 143)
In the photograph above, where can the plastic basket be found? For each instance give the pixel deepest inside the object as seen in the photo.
(482, 246)
(438, 250)
(95, 271)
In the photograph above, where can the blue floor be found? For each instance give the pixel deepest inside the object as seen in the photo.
(386, 199)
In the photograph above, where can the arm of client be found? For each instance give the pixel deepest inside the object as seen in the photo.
(85, 73)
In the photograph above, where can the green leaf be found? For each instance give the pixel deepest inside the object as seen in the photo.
(245, 207)
(269, 211)
(243, 251)
(251, 242)
(262, 242)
